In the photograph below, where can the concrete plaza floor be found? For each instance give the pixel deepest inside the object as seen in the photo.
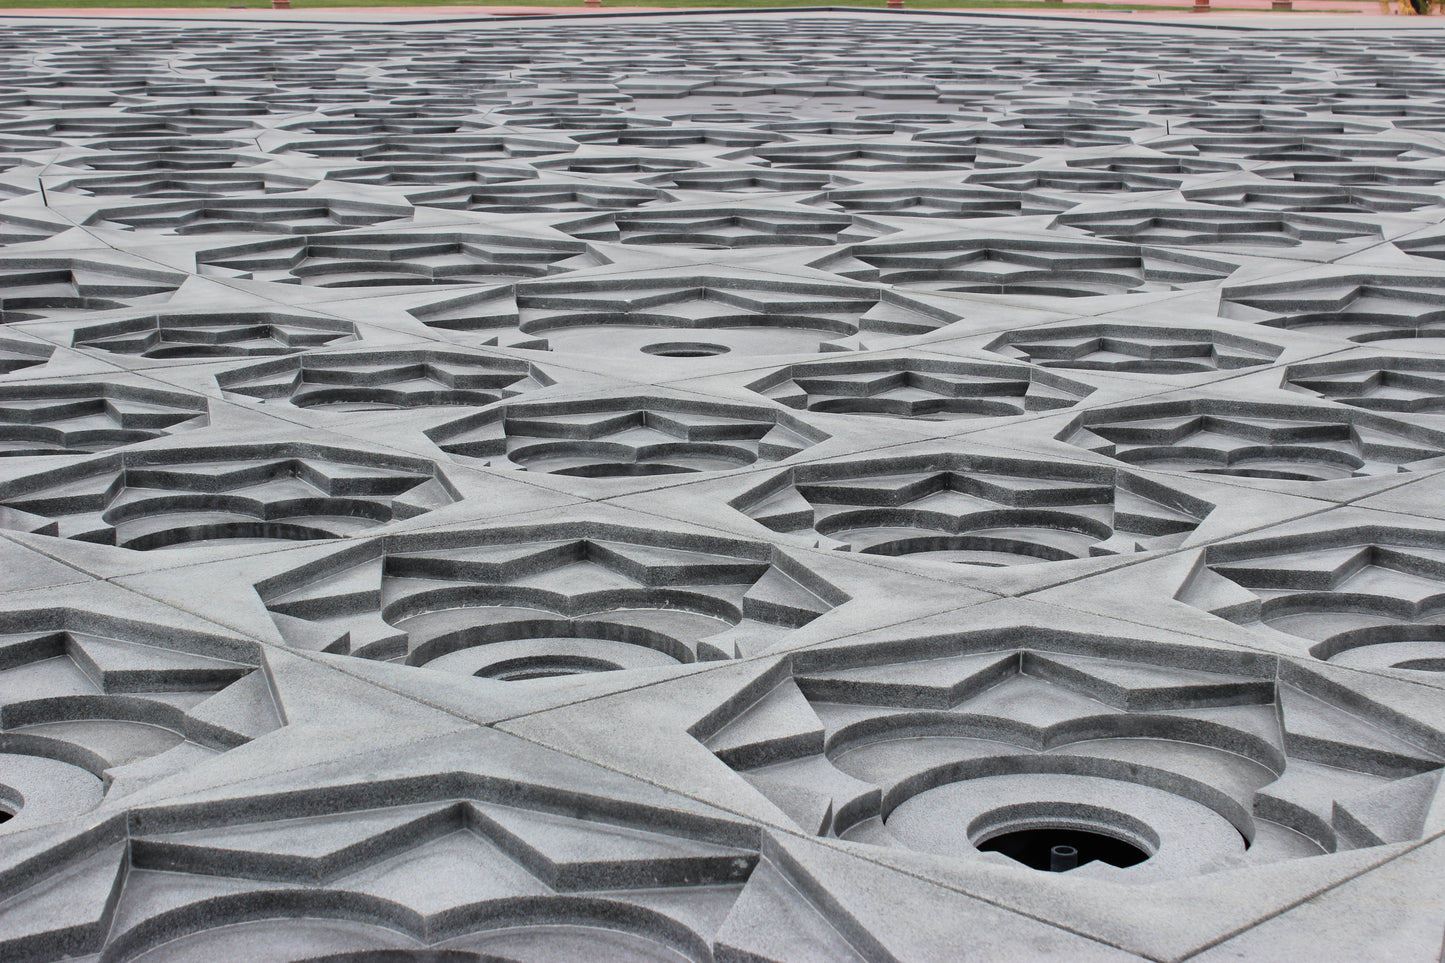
(718, 487)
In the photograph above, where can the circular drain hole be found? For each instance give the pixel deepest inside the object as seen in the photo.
(684, 349)
(1059, 850)
(544, 667)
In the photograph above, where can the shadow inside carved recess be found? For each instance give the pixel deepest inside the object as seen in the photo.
(159, 185)
(517, 604)
(384, 379)
(1061, 269)
(33, 288)
(228, 334)
(627, 437)
(925, 389)
(947, 507)
(542, 196)
(497, 853)
(1106, 759)
(411, 148)
(456, 176)
(90, 715)
(1378, 384)
(1134, 348)
(1255, 439)
(1364, 598)
(1204, 226)
(1387, 309)
(683, 317)
(236, 494)
(346, 260)
(19, 355)
(1308, 148)
(259, 215)
(59, 418)
(726, 228)
(184, 160)
(938, 202)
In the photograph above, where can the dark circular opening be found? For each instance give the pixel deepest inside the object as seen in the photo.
(684, 349)
(624, 470)
(544, 667)
(1060, 850)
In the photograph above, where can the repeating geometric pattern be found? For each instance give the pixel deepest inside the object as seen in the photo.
(735, 488)
(1184, 770)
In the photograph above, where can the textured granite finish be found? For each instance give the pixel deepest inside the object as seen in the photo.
(763, 488)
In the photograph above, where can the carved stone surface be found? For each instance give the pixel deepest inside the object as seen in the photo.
(727, 487)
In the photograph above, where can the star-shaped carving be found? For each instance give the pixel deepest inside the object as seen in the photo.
(623, 437)
(185, 184)
(919, 388)
(1311, 199)
(1201, 226)
(745, 181)
(279, 215)
(1018, 266)
(949, 508)
(169, 497)
(1362, 308)
(967, 746)
(1301, 148)
(880, 157)
(90, 718)
(537, 196)
(671, 138)
(1134, 348)
(1364, 599)
(382, 260)
(82, 127)
(1027, 137)
(1379, 384)
(937, 202)
(227, 335)
(35, 287)
(406, 148)
(726, 228)
(517, 604)
(1074, 181)
(400, 121)
(1217, 436)
(60, 418)
(697, 315)
(161, 159)
(1355, 174)
(439, 174)
(379, 380)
